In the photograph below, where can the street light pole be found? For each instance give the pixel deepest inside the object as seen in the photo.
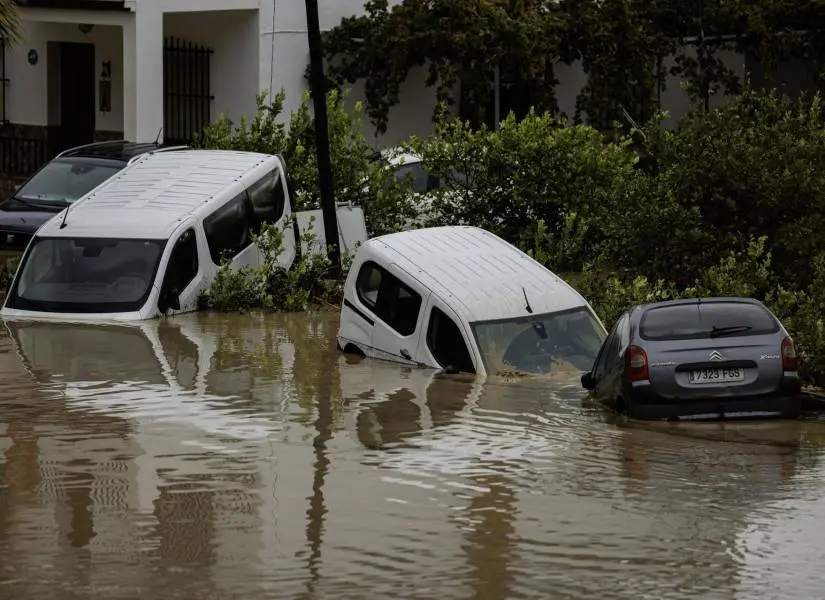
(319, 98)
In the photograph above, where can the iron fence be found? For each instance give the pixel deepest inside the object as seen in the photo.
(20, 157)
(187, 90)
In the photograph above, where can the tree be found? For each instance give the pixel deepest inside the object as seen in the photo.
(458, 42)
(9, 21)
(623, 46)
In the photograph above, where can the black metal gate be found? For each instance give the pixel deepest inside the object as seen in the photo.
(186, 89)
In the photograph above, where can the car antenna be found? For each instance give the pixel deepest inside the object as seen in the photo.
(528, 307)
(65, 214)
(157, 137)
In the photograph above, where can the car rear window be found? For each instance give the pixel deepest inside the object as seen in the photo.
(706, 320)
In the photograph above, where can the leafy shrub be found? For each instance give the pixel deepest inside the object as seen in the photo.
(754, 167)
(358, 178)
(312, 280)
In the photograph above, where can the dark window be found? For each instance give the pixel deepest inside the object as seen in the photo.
(63, 181)
(3, 81)
(705, 320)
(267, 198)
(227, 229)
(445, 341)
(183, 264)
(391, 300)
(87, 274)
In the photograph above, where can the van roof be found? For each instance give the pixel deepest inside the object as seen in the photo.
(149, 198)
(477, 272)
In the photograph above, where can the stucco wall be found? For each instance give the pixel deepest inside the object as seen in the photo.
(27, 92)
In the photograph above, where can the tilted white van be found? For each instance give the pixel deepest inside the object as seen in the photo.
(462, 299)
(149, 240)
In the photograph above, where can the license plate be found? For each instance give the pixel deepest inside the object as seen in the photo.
(716, 375)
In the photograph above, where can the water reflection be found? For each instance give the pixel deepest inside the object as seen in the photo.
(213, 456)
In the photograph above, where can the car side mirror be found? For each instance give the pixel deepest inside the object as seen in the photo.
(169, 299)
(587, 380)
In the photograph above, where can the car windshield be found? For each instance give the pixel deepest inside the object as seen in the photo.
(706, 320)
(86, 275)
(422, 181)
(64, 181)
(551, 343)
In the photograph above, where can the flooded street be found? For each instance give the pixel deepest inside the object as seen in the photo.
(216, 456)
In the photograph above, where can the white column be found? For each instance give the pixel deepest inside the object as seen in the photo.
(143, 74)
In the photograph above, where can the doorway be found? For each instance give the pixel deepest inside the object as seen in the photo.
(77, 94)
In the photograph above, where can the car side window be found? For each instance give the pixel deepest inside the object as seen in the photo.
(395, 303)
(446, 343)
(267, 197)
(606, 352)
(623, 337)
(183, 263)
(228, 229)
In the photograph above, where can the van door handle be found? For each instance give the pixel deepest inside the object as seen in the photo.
(405, 354)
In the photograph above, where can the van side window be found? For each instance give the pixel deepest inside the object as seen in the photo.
(267, 198)
(183, 263)
(446, 343)
(389, 298)
(227, 229)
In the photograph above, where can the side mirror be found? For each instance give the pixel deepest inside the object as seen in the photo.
(587, 380)
(169, 299)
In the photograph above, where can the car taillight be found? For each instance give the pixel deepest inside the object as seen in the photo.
(636, 359)
(789, 361)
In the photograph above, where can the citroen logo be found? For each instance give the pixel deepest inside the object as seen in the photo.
(715, 355)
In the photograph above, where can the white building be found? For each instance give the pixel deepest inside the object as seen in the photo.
(100, 69)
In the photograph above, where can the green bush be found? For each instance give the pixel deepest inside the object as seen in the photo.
(311, 281)
(357, 178)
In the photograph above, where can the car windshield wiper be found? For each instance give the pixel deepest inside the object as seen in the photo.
(37, 204)
(717, 331)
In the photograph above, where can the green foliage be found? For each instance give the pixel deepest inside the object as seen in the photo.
(10, 23)
(357, 178)
(626, 48)
(455, 42)
(310, 281)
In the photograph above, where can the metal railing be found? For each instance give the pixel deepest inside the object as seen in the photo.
(187, 105)
(20, 157)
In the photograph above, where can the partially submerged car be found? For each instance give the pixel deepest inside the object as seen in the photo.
(63, 180)
(703, 358)
(151, 238)
(462, 299)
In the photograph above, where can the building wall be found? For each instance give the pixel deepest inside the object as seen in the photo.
(27, 94)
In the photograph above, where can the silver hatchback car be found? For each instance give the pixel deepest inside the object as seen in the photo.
(703, 358)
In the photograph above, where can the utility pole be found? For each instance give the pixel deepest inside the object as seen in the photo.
(319, 98)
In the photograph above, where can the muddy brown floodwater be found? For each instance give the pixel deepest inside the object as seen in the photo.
(215, 457)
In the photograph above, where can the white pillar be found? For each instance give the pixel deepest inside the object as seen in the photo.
(143, 74)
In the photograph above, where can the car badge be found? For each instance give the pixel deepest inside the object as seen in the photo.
(715, 355)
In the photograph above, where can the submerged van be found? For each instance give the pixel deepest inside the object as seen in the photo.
(150, 239)
(460, 298)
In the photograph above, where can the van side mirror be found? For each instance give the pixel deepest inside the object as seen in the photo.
(169, 299)
(587, 380)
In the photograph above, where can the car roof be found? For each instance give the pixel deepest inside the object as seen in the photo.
(479, 274)
(682, 301)
(120, 150)
(152, 196)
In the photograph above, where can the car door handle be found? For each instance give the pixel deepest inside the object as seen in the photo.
(405, 354)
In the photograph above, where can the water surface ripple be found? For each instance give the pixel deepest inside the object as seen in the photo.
(212, 456)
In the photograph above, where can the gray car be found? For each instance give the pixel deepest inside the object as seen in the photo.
(705, 358)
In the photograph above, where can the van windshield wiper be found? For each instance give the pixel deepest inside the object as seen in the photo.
(717, 331)
(36, 204)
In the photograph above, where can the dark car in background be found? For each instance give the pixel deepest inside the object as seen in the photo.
(705, 358)
(67, 177)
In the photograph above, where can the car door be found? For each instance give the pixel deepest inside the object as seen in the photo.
(183, 279)
(604, 362)
(394, 300)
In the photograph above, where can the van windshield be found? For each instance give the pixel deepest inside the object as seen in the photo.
(564, 341)
(86, 275)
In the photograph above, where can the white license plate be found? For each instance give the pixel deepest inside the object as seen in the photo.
(716, 375)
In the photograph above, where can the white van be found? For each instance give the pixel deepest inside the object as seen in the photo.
(150, 239)
(462, 299)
